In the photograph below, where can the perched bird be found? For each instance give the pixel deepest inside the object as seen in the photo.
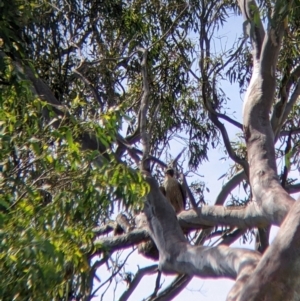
(173, 191)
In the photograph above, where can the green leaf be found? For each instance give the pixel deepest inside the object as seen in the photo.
(69, 138)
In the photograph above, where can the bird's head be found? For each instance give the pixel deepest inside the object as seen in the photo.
(169, 172)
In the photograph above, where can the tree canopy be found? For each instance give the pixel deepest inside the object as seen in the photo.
(94, 93)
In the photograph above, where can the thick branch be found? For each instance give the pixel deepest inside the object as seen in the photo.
(266, 189)
(177, 256)
(244, 217)
(102, 230)
(276, 277)
(115, 243)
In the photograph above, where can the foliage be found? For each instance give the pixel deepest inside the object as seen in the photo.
(53, 193)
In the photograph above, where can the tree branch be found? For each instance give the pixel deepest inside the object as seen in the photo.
(43, 92)
(293, 188)
(280, 111)
(189, 192)
(114, 243)
(241, 217)
(266, 189)
(102, 230)
(93, 294)
(229, 186)
(233, 122)
(230, 151)
(173, 289)
(291, 132)
(292, 101)
(177, 256)
(136, 280)
(134, 151)
(145, 164)
(90, 85)
(253, 26)
(276, 277)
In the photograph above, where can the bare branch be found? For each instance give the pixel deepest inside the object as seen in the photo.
(226, 140)
(145, 164)
(229, 186)
(293, 188)
(133, 151)
(157, 283)
(266, 189)
(241, 217)
(292, 101)
(214, 118)
(227, 118)
(136, 280)
(112, 275)
(115, 243)
(91, 86)
(129, 140)
(189, 192)
(102, 230)
(231, 237)
(175, 161)
(291, 132)
(173, 289)
(182, 281)
(253, 26)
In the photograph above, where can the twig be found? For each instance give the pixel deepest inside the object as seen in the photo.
(136, 280)
(230, 120)
(189, 192)
(170, 28)
(113, 274)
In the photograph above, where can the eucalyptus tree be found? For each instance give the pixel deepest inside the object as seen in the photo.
(92, 95)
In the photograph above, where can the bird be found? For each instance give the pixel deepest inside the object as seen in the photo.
(173, 191)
